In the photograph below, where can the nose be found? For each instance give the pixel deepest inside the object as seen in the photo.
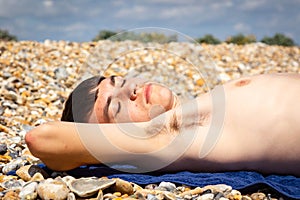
(125, 89)
(133, 95)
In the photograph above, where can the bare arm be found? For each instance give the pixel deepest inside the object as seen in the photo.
(64, 145)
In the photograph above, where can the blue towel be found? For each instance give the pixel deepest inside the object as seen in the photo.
(287, 186)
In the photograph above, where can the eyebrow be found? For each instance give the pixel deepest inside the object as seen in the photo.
(112, 80)
(119, 109)
(105, 110)
(124, 81)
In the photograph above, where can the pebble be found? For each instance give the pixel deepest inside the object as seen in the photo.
(85, 187)
(12, 184)
(208, 196)
(3, 148)
(52, 189)
(37, 177)
(11, 195)
(71, 196)
(167, 186)
(29, 191)
(33, 169)
(122, 186)
(13, 165)
(36, 78)
(22, 172)
(258, 196)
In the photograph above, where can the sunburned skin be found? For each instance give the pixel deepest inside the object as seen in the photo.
(252, 123)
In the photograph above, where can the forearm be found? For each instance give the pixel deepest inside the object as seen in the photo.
(65, 145)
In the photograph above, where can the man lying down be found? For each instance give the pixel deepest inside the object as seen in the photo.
(252, 123)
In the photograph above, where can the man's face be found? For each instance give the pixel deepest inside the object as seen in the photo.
(130, 100)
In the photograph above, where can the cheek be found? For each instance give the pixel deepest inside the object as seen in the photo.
(142, 114)
(165, 94)
(163, 97)
(138, 113)
(132, 112)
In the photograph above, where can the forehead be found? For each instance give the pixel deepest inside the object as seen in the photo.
(103, 91)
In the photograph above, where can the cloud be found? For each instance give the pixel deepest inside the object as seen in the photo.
(193, 13)
(48, 3)
(80, 26)
(297, 18)
(241, 27)
(131, 12)
(172, 2)
(180, 12)
(252, 5)
(14, 8)
(221, 5)
(172, 11)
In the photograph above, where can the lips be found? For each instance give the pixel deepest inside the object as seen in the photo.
(147, 92)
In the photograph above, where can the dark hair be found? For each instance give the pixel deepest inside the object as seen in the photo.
(80, 103)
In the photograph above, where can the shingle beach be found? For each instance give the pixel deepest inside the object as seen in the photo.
(37, 77)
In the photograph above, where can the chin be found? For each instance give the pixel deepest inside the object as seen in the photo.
(168, 101)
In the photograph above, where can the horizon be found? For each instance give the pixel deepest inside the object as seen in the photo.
(81, 21)
(178, 36)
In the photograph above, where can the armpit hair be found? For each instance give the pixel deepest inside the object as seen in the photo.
(165, 125)
(179, 122)
(154, 129)
(157, 126)
(175, 124)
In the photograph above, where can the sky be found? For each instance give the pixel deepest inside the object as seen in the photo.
(81, 20)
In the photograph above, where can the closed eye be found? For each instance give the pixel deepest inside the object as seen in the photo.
(119, 109)
(123, 83)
